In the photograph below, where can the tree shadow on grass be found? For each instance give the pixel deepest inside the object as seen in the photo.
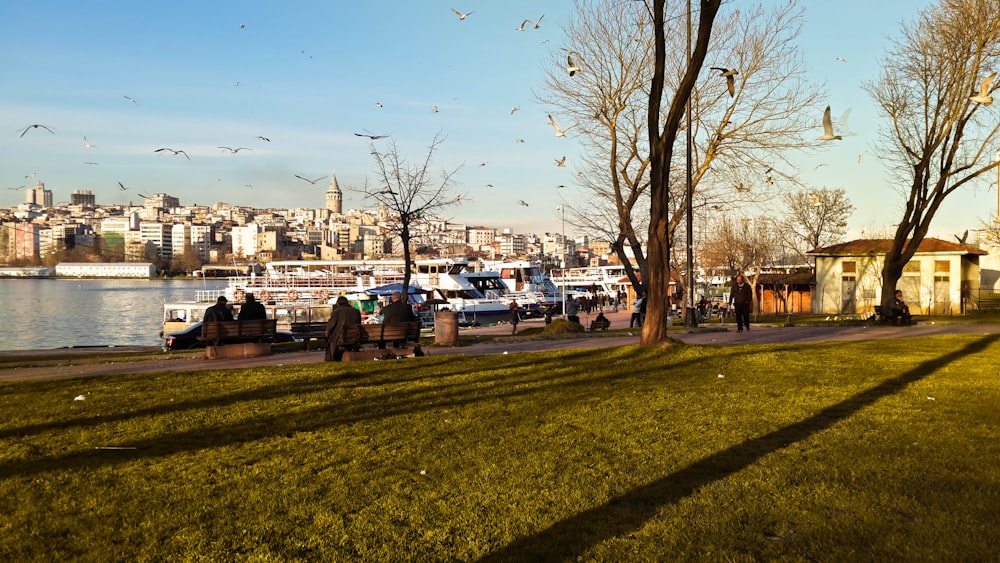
(569, 539)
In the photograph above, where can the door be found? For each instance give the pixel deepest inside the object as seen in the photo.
(848, 290)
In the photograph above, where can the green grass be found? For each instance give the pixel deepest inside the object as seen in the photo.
(825, 452)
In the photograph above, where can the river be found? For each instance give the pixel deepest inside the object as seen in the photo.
(38, 314)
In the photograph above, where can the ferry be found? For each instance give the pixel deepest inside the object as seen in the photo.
(601, 279)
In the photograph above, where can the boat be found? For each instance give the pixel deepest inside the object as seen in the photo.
(521, 280)
(601, 279)
(180, 315)
(447, 279)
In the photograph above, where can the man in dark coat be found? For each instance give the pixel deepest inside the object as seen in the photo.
(342, 316)
(397, 311)
(252, 310)
(741, 296)
(219, 311)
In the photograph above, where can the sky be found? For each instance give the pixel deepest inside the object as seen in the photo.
(133, 77)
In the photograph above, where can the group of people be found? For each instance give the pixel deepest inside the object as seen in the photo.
(250, 311)
(344, 315)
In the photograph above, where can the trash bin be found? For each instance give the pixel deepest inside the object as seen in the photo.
(446, 328)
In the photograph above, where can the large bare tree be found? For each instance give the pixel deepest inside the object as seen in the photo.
(409, 193)
(938, 138)
(740, 141)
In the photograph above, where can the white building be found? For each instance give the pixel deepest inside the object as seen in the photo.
(105, 270)
(245, 240)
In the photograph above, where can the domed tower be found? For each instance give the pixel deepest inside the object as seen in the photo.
(334, 197)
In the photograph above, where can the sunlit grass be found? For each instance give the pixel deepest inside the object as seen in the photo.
(867, 450)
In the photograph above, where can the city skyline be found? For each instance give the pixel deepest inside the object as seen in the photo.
(256, 99)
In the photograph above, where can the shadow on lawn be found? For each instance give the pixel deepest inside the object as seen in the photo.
(570, 538)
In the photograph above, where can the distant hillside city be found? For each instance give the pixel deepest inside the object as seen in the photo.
(180, 239)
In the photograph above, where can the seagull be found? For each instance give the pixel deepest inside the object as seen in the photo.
(561, 162)
(522, 25)
(436, 110)
(132, 100)
(248, 186)
(243, 26)
(460, 15)
(983, 96)
(313, 182)
(236, 150)
(370, 136)
(522, 202)
(730, 76)
(571, 67)
(17, 188)
(174, 152)
(92, 163)
(265, 139)
(538, 22)
(828, 128)
(560, 186)
(378, 105)
(962, 239)
(559, 132)
(122, 186)
(458, 198)
(37, 125)
(519, 141)
(816, 201)
(143, 196)
(514, 110)
(842, 59)
(487, 185)
(484, 163)
(87, 144)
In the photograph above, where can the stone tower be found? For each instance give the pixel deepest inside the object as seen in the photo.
(334, 197)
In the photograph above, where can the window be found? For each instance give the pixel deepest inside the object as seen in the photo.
(849, 267)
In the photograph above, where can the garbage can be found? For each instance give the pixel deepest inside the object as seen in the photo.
(446, 328)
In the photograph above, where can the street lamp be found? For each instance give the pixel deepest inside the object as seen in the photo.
(689, 316)
(562, 257)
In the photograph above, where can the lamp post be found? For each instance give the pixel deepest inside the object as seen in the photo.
(562, 257)
(690, 320)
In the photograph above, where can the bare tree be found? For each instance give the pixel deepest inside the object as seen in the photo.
(815, 218)
(409, 193)
(743, 245)
(937, 136)
(740, 141)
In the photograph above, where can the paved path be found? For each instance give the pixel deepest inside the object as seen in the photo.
(711, 334)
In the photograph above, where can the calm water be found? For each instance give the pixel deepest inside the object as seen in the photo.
(53, 313)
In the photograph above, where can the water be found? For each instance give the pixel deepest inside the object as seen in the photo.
(53, 313)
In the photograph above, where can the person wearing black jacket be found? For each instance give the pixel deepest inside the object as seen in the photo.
(741, 296)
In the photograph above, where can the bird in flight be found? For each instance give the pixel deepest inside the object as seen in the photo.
(265, 139)
(571, 67)
(730, 76)
(538, 22)
(92, 163)
(174, 152)
(313, 182)
(17, 188)
(519, 141)
(521, 28)
(559, 132)
(561, 162)
(132, 100)
(983, 97)
(514, 110)
(378, 105)
(35, 126)
(122, 186)
(370, 136)
(87, 144)
(842, 59)
(487, 185)
(236, 150)
(143, 196)
(828, 128)
(436, 110)
(460, 15)
(484, 163)
(522, 202)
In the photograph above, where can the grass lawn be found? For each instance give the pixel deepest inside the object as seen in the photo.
(872, 451)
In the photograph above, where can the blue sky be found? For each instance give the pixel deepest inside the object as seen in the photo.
(307, 75)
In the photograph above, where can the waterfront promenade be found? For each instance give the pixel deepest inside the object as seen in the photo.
(499, 342)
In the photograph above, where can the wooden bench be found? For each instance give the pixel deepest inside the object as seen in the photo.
(309, 332)
(217, 333)
(238, 339)
(890, 317)
(600, 324)
(369, 341)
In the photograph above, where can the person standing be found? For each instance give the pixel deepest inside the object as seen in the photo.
(573, 309)
(741, 297)
(252, 310)
(515, 316)
(637, 305)
(342, 317)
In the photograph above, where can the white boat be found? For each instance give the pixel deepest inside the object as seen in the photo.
(601, 279)
(447, 280)
(522, 280)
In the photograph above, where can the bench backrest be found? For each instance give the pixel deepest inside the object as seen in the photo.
(235, 330)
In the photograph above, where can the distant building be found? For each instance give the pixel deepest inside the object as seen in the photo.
(39, 196)
(105, 270)
(83, 198)
(334, 197)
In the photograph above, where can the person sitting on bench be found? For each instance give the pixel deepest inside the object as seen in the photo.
(900, 310)
(601, 322)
